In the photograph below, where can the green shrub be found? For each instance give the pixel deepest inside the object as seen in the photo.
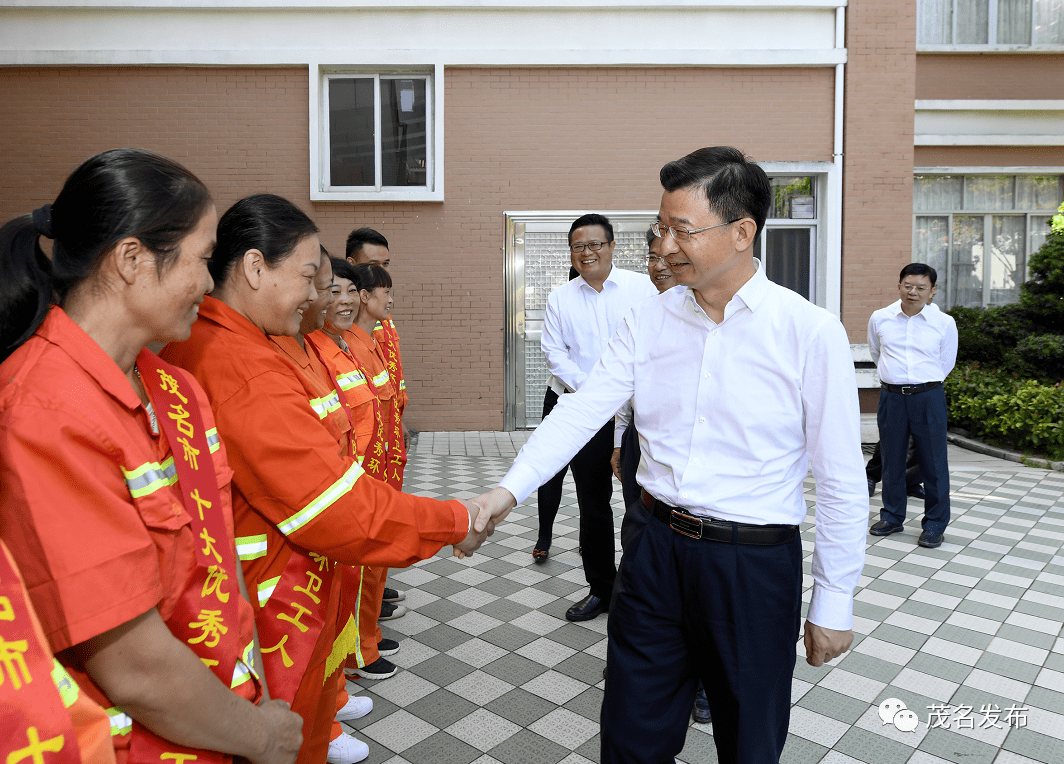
(1040, 356)
(1043, 294)
(998, 405)
(988, 335)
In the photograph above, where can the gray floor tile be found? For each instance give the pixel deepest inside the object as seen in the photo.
(834, 704)
(940, 667)
(798, 750)
(507, 636)
(520, 707)
(441, 708)
(442, 669)
(871, 748)
(515, 669)
(526, 747)
(588, 703)
(957, 747)
(505, 609)
(582, 666)
(442, 637)
(1034, 745)
(441, 747)
(1000, 664)
(442, 610)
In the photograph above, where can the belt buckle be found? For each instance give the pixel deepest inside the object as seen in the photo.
(907, 389)
(685, 524)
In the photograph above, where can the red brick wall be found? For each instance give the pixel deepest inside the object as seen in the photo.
(1005, 76)
(878, 163)
(537, 139)
(989, 156)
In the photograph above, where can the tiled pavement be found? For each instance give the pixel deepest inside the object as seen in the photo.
(493, 672)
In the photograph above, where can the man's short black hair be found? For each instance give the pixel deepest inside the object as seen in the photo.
(592, 218)
(361, 236)
(735, 186)
(650, 237)
(919, 269)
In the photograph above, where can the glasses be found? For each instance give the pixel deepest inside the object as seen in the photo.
(649, 260)
(681, 234)
(594, 246)
(914, 288)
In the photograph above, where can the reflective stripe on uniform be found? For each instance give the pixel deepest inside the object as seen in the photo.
(245, 666)
(266, 589)
(150, 477)
(351, 379)
(213, 440)
(381, 379)
(323, 502)
(402, 384)
(251, 547)
(322, 406)
(68, 688)
(121, 724)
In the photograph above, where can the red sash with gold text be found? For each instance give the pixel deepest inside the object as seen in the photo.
(35, 726)
(207, 616)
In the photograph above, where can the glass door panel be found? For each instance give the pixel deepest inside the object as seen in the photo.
(967, 261)
(788, 258)
(1007, 266)
(931, 246)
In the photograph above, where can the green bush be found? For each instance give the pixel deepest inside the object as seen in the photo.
(988, 335)
(1000, 406)
(1040, 356)
(1043, 294)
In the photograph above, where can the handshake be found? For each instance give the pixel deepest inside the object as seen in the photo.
(485, 512)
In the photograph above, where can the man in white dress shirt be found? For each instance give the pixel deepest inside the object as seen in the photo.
(581, 317)
(738, 386)
(914, 346)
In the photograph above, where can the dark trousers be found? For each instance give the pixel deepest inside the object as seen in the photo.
(593, 476)
(913, 476)
(686, 609)
(922, 416)
(629, 465)
(549, 496)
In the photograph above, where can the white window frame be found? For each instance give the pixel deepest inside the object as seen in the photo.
(991, 43)
(320, 190)
(985, 214)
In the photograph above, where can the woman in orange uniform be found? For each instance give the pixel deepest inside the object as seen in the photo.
(301, 501)
(113, 483)
(364, 410)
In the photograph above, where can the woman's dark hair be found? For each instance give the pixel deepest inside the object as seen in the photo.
(266, 222)
(114, 195)
(343, 269)
(369, 276)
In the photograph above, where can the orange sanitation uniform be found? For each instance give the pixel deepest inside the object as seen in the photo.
(387, 338)
(300, 500)
(93, 510)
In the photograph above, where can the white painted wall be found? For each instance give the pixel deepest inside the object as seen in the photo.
(989, 123)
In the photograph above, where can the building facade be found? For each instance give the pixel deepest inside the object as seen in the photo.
(471, 134)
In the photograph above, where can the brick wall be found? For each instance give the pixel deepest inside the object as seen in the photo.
(537, 139)
(1005, 76)
(988, 156)
(878, 163)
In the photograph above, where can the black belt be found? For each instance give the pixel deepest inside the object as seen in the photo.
(718, 530)
(909, 389)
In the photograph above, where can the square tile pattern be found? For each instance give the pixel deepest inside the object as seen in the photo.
(492, 672)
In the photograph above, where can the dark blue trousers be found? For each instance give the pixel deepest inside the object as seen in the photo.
(923, 416)
(629, 465)
(685, 609)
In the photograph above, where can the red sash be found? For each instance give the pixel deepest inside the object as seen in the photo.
(35, 726)
(291, 620)
(207, 616)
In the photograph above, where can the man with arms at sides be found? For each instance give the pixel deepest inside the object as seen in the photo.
(914, 346)
(365, 245)
(581, 317)
(738, 386)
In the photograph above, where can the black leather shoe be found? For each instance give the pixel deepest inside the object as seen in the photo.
(586, 609)
(930, 540)
(916, 491)
(883, 528)
(871, 488)
(700, 713)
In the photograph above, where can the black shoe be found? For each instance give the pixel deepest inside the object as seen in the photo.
(871, 488)
(883, 528)
(391, 611)
(930, 540)
(382, 668)
(393, 595)
(387, 647)
(916, 491)
(586, 609)
(700, 713)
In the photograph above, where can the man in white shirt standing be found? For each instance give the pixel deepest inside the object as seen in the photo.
(738, 386)
(914, 347)
(581, 317)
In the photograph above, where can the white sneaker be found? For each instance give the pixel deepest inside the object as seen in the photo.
(346, 750)
(355, 708)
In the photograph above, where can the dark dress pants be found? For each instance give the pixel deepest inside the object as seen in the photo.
(629, 464)
(593, 476)
(923, 416)
(685, 609)
(913, 477)
(549, 496)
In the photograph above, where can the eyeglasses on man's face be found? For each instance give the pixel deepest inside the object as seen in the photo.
(914, 288)
(594, 246)
(679, 233)
(653, 260)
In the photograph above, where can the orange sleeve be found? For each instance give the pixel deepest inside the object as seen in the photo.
(286, 465)
(63, 475)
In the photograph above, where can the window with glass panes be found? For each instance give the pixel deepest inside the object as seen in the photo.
(991, 22)
(378, 131)
(978, 232)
